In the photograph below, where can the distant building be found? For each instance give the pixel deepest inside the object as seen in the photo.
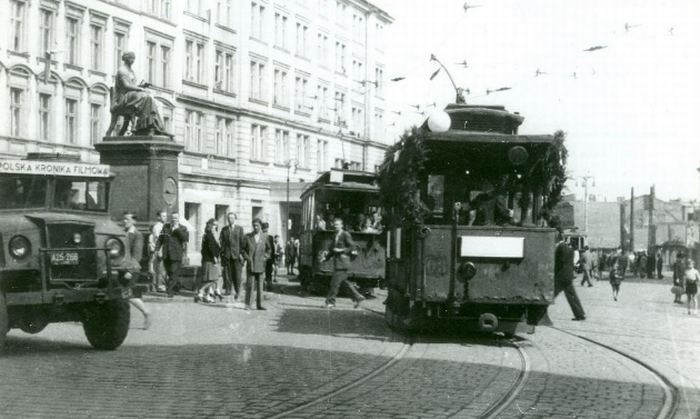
(673, 222)
(603, 221)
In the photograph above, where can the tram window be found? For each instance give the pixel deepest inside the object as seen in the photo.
(436, 193)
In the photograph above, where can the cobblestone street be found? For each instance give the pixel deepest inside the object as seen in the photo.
(299, 360)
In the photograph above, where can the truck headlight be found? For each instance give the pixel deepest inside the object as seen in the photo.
(115, 246)
(20, 247)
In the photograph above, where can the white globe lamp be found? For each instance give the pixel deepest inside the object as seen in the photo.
(439, 121)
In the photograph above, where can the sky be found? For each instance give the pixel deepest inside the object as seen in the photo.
(629, 113)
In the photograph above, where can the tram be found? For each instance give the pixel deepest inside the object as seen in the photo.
(466, 211)
(354, 197)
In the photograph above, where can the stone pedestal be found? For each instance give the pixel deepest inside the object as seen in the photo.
(146, 174)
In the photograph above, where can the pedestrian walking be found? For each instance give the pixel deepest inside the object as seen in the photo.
(587, 264)
(256, 251)
(133, 253)
(270, 262)
(155, 257)
(651, 265)
(616, 277)
(564, 277)
(232, 240)
(279, 253)
(691, 277)
(340, 250)
(659, 265)
(678, 283)
(290, 255)
(173, 242)
(211, 251)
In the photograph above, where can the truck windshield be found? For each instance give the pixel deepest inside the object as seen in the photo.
(22, 191)
(80, 195)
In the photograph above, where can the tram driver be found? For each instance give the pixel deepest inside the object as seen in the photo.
(490, 206)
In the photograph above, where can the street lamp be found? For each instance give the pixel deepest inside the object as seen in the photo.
(289, 163)
(584, 182)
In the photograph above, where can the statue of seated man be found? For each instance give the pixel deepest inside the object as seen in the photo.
(131, 99)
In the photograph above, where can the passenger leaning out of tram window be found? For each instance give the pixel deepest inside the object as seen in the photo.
(320, 223)
(491, 206)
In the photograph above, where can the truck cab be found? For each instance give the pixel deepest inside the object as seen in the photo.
(61, 254)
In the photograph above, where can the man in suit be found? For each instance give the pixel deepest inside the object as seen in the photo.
(564, 277)
(270, 264)
(340, 250)
(290, 253)
(232, 240)
(173, 242)
(256, 252)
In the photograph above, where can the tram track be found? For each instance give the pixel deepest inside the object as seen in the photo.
(671, 402)
(509, 396)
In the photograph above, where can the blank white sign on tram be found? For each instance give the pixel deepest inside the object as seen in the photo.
(492, 247)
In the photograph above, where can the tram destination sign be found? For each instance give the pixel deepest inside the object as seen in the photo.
(51, 168)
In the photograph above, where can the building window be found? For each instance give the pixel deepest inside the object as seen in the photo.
(16, 111)
(161, 8)
(280, 88)
(378, 123)
(194, 130)
(44, 116)
(164, 65)
(280, 31)
(194, 61)
(96, 47)
(322, 49)
(17, 25)
(71, 125)
(72, 40)
(358, 71)
(193, 217)
(257, 80)
(257, 21)
(340, 49)
(223, 71)
(119, 48)
(224, 12)
(301, 93)
(281, 146)
(358, 26)
(303, 150)
(302, 30)
(321, 154)
(95, 122)
(46, 31)
(224, 137)
(379, 81)
(357, 119)
(340, 109)
(151, 58)
(322, 102)
(257, 146)
(379, 35)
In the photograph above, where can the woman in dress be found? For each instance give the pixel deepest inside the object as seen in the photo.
(210, 264)
(133, 253)
(691, 277)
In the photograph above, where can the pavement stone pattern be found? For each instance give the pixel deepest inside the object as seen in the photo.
(221, 361)
(646, 324)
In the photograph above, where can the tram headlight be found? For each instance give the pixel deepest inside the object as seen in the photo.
(20, 247)
(115, 246)
(467, 270)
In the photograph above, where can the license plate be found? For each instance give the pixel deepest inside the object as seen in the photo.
(64, 258)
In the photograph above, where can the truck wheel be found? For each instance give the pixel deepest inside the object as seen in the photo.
(33, 325)
(107, 324)
(4, 320)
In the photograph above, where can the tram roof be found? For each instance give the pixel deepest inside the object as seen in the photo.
(346, 180)
(459, 136)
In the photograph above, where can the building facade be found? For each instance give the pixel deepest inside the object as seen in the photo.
(258, 91)
(601, 218)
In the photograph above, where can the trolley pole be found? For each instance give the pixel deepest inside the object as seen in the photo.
(632, 220)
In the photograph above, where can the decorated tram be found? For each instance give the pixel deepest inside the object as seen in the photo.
(467, 201)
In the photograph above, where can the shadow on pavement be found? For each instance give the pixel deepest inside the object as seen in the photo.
(335, 322)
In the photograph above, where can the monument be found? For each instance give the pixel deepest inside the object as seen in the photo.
(143, 156)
